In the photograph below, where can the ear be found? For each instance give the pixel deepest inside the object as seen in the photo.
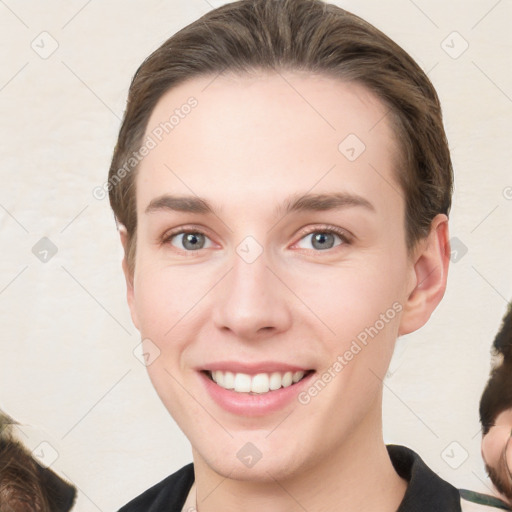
(128, 276)
(429, 274)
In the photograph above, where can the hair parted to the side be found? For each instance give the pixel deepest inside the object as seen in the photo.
(298, 35)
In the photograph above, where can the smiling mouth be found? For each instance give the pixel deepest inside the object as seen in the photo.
(258, 384)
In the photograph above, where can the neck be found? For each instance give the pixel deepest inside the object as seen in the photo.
(355, 476)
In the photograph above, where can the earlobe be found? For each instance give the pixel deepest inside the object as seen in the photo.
(129, 278)
(430, 270)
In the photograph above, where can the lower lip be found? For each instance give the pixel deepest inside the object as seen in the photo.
(245, 404)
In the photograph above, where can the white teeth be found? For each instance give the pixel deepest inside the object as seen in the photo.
(229, 380)
(219, 378)
(260, 383)
(242, 383)
(275, 381)
(297, 376)
(287, 379)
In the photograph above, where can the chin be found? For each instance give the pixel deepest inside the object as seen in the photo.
(244, 461)
(502, 482)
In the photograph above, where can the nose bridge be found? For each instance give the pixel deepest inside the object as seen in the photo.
(252, 298)
(249, 283)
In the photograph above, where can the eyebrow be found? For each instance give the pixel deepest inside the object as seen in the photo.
(294, 203)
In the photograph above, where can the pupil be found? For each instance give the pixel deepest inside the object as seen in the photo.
(321, 238)
(192, 240)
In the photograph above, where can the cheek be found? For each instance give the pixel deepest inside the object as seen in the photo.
(163, 303)
(493, 444)
(508, 454)
(359, 300)
(362, 309)
(163, 297)
(151, 297)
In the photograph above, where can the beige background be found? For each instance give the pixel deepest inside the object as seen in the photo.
(67, 366)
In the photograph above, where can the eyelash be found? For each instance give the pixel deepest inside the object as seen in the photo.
(326, 229)
(345, 237)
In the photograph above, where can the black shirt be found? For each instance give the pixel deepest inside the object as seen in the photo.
(426, 492)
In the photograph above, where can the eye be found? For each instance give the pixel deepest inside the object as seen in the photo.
(188, 240)
(323, 239)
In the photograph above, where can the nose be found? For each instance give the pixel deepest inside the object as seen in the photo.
(252, 302)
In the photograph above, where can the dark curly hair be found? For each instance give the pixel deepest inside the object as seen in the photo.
(25, 485)
(497, 395)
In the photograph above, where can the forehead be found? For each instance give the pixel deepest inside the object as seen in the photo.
(243, 137)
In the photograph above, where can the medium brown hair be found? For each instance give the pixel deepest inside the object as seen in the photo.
(297, 35)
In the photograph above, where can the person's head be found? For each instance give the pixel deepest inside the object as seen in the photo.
(306, 35)
(256, 126)
(497, 453)
(496, 412)
(25, 485)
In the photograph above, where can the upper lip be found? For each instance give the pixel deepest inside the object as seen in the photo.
(253, 368)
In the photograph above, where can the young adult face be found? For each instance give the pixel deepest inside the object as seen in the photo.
(497, 453)
(258, 290)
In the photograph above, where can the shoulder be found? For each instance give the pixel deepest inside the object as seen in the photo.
(426, 491)
(168, 495)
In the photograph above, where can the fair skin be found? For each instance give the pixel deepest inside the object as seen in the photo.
(497, 451)
(249, 145)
